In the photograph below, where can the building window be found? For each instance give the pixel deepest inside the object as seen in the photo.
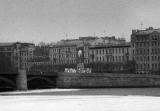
(116, 59)
(102, 59)
(96, 51)
(119, 58)
(97, 59)
(152, 66)
(113, 50)
(106, 51)
(141, 58)
(103, 51)
(99, 51)
(152, 58)
(137, 51)
(144, 51)
(141, 66)
(137, 66)
(155, 66)
(122, 50)
(119, 50)
(137, 58)
(158, 58)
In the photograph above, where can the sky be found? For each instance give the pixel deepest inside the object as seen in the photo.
(53, 20)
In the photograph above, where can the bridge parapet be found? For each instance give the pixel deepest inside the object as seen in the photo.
(43, 73)
(8, 73)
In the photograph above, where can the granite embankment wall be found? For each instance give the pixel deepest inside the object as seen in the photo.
(100, 80)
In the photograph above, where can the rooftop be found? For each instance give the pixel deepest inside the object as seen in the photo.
(111, 46)
(7, 44)
(146, 31)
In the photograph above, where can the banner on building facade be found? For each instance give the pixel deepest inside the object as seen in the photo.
(80, 55)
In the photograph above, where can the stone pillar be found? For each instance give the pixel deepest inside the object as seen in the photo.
(21, 80)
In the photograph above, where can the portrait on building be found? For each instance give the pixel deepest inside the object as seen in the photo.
(80, 55)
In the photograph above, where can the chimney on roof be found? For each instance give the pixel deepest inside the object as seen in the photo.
(113, 37)
(150, 28)
(134, 31)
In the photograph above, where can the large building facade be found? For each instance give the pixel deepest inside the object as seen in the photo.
(63, 54)
(95, 50)
(40, 62)
(65, 51)
(115, 55)
(17, 54)
(67, 54)
(146, 50)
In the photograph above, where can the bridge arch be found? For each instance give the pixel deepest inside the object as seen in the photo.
(40, 82)
(7, 84)
(8, 81)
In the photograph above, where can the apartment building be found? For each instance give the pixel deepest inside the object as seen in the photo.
(63, 54)
(40, 61)
(114, 54)
(146, 49)
(17, 53)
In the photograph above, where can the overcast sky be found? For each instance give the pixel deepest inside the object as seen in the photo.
(51, 20)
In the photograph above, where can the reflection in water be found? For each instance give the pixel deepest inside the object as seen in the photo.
(4, 89)
(40, 84)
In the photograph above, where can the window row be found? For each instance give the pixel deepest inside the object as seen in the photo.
(146, 58)
(146, 51)
(147, 44)
(65, 61)
(66, 49)
(142, 44)
(154, 66)
(112, 59)
(110, 51)
(142, 38)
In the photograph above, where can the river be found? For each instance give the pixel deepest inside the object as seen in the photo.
(109, 99)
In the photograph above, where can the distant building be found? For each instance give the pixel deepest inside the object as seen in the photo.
(40, 61)
(93, 49)
(93, 41)
(117, 55)
(108, 41)
(63, 54)
(40, 55)
(146, 50)
(17, 53)
(68, 54)
(81, 40)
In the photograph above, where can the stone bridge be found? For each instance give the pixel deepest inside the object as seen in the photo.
(23, 81)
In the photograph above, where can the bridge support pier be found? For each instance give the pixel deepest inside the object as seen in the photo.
(21, 80)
